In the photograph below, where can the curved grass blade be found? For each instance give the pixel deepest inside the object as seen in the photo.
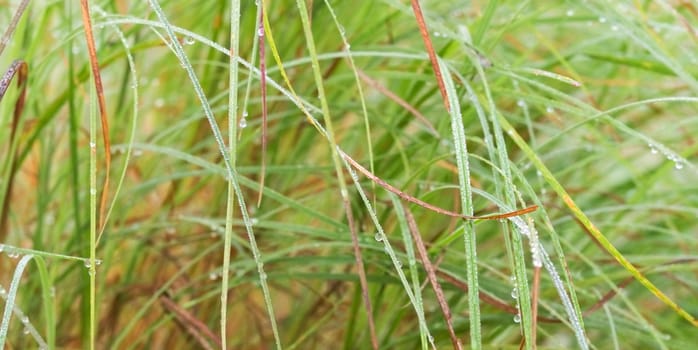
(591, 228)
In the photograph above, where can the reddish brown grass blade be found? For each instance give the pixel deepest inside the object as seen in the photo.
(430, 50)
(18, 69)
(426, 205)
(431, 275)
(404, 104)
(197, 329)
(92, 52)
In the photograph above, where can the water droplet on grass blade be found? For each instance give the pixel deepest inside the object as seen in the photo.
(517, 318)
(189, 40)
(378, 237)
(653, 149)
(243, 123)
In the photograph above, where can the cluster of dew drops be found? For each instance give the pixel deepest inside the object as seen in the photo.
(678, 162)
(515, 296)
(14, 253)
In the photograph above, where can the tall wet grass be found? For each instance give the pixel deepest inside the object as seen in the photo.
(345, 191)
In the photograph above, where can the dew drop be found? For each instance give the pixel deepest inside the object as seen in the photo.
(2, 248)
(254, 221)
(243, 123)
(93, 191)
(517, 318)
(515, 293)
(378, 237)
(93, 145)
(602, 19)
(189, 40)
(549, 110)
(521, 103)
(26, 331)
(653, 149)
(260, 32)
(570, 13)
(88, 264)
(678, 165)
(212, 276)
(13, 255)
(263, 276)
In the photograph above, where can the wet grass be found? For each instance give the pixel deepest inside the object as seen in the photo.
(331, 204)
